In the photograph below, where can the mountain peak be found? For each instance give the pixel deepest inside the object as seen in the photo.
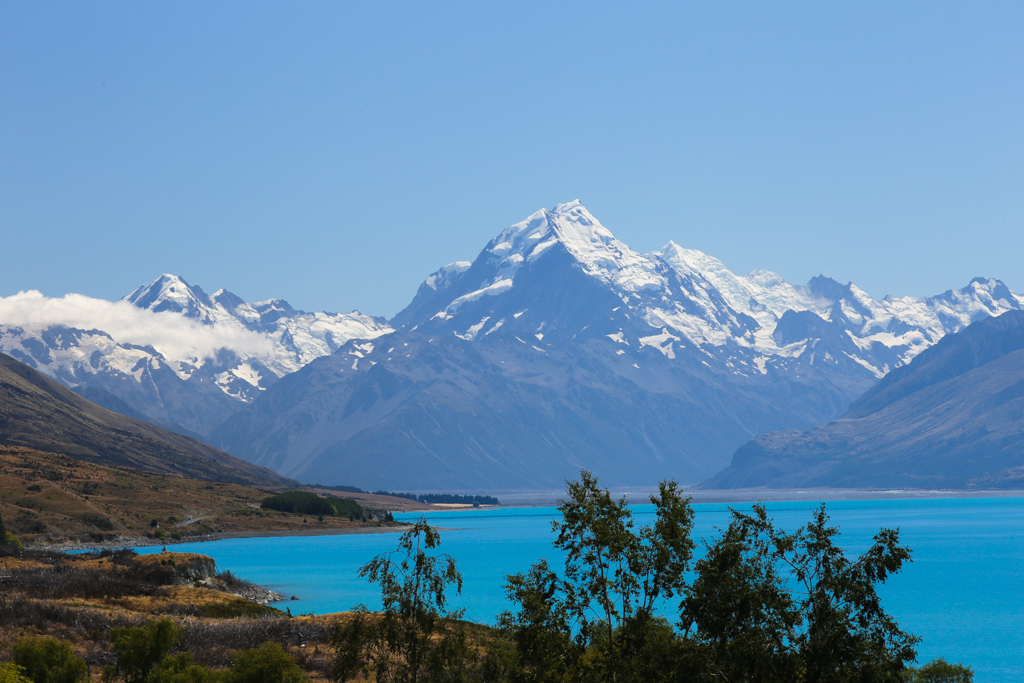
(824, 287)
(169, 293)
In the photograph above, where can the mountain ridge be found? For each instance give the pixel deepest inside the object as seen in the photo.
(560, 334)
(953, 418)
(555, 301)
(152, 361)
(38, 412)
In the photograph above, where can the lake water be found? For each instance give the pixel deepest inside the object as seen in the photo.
(963, 593)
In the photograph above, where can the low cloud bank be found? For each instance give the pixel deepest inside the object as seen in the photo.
(172, 334)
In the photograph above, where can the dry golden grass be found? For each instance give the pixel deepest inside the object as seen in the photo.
(47, 497)
(214, 621)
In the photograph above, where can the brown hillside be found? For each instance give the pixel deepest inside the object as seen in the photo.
(49, 497)
(38, 412)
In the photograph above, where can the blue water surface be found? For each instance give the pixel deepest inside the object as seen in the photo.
(963, 593)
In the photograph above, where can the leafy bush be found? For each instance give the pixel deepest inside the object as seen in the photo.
(182, 669)
(6, 537)
(140, 650)
(48, 660)
(268, 663)
(939, 671)
(12, 673)
(307, 503)
(101, 522)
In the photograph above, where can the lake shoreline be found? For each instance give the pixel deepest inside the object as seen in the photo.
(142, 542)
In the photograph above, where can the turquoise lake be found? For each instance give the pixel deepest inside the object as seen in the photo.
(963, 593)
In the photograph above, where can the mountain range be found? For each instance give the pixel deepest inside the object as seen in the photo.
(954, 418)
(558, 347)
(173, 354)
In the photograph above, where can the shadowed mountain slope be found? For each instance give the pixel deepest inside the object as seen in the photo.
(953, 418)
(559, 347)
(38, 412)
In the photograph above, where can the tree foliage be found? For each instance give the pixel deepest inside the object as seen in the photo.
(6, 537)
(773, 606)
(598, 621)
(268, 663)
(140, 649)
(762, 604)
(413, 638)
(12, 673)
(308, 503)
(45, 659)
(939, 671)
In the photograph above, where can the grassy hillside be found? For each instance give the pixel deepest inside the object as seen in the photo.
(50, 497)
(78, 598)
(37, 412)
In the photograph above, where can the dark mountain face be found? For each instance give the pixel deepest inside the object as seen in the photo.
(502, 379)
(558, 347)
(953, 418)
(442, 412)
(40, 413)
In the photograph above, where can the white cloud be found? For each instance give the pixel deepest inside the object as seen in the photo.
(172, 334)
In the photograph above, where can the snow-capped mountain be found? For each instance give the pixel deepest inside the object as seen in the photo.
(559, 347)
(676, 296)
(168, 351)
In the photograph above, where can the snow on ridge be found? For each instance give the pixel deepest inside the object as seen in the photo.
(711, 306)
(170, 323)
(443, 276)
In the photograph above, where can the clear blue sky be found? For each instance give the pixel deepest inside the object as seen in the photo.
(334, 154)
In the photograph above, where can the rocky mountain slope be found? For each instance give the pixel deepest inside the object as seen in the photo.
(559, 347)
(172, 353)
(38, 412)
(954, 418)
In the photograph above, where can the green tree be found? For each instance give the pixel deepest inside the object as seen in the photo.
(6, 537)
(268, 663)
(182, 669)
(544, 648)
(415, 637)
(140, 649)
(828, 628)
(12, 673)
(45, 659)
(939, 671)
(614, 578)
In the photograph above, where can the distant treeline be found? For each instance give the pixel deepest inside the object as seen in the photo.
(343, 489)
(307, 503)
(444, 498)
(430, 498)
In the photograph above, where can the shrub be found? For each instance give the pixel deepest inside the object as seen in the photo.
(307, 503)
(12, 673)
(139, 650)
(939, 671)
(182, 669)
(268, 663)
(97, 520)
(6, 537)
(48, 660)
